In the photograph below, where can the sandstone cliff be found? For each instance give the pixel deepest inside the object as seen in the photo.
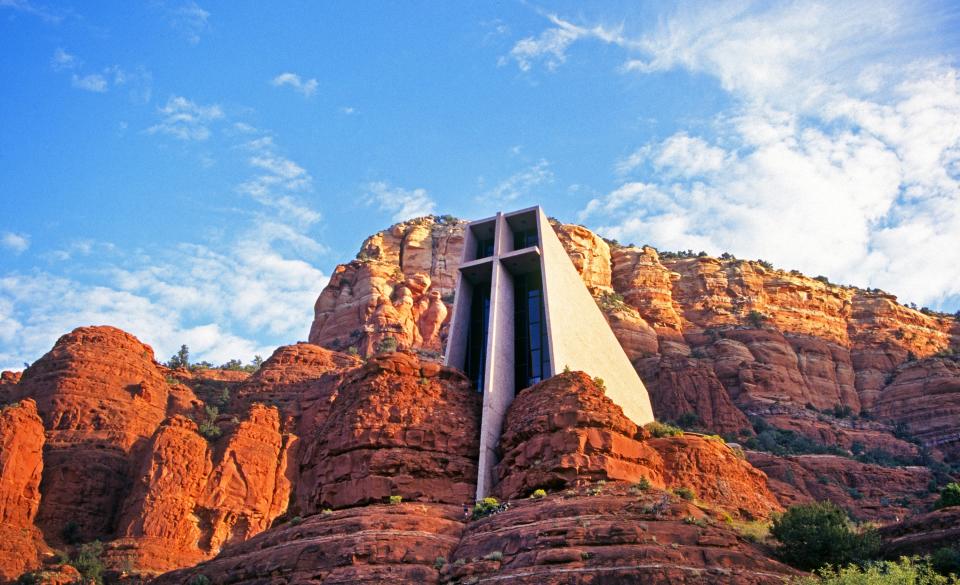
(717, 338)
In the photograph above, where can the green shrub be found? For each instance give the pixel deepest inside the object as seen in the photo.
(659, 430)
(387, 345)
(538, 493)
(598, 381)
(485, 507)
(756, 319)
(686, 493)
(200, 579)
(208, 426)
(641, 486)
(439, 562)
(493, 556)
(906, 571)
(296, 520)
(87, 560)
(946, 560)
(689, 421)
(949, 496)
(814, 535)
(396, 499)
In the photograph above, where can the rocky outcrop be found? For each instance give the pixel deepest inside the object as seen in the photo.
(290, 375)
(925, 397)
(869, 492)
(922, 534)
(21, 465)
(682, 386)
(382, 543)
(565, 432)
(397, 427)
(192, 499)
(399, 287)
(101, 396)
(611, 536)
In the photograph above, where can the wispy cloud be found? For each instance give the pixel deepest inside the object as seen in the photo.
(521, 184)
(94, 82)
(33, 9)
(305, 86)
(16, 243)
(840, 155)
(63, 60)
(402, 203)
(278, 183)
(186, 120)
(189, 19)
(550, 46)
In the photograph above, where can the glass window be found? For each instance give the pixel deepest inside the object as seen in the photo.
(532, 355)
(477, 331)
(484, 248)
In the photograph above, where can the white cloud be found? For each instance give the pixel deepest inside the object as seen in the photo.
(680, 155)
(278, 182)
(551, 45)
(63, 60)
(185, 120)
(521, 183)
(306, 87)
(189, 19)
(26, 7)
(16, 243)
(840, 154)
(94, 82)
(404, 204)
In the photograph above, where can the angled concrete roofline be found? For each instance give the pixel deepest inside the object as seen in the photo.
(488, 342)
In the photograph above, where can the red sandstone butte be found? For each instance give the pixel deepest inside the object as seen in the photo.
(21, 465)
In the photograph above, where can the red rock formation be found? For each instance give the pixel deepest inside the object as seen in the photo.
(397, 426)
(925, 396)
(681, 386)
(374, 544)
(870, 492)
(291, 374)
(615, 536)
(922, 534)
(21, 464)
(397, 287)
(100, 394)
(565, 432)
(851, 434)
(186, 507)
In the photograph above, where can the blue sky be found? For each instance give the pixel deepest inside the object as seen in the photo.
(191, 171)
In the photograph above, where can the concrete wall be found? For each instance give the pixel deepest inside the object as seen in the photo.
(577, 332)
(499, 375)
(580, 337)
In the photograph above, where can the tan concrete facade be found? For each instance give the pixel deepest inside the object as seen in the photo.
(577, 334)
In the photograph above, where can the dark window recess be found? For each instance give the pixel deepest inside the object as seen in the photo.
(525, 239)
(532, 352)
(484, 248)
(477, 335)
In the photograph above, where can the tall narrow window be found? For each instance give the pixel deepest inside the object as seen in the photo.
(532, 357)
(477, 330)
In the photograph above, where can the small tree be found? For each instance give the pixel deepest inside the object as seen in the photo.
(387, 345)
(88, 562)
(814, 535)
(949, 496)
(756, 319)
(181, 359)
(208, 427)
